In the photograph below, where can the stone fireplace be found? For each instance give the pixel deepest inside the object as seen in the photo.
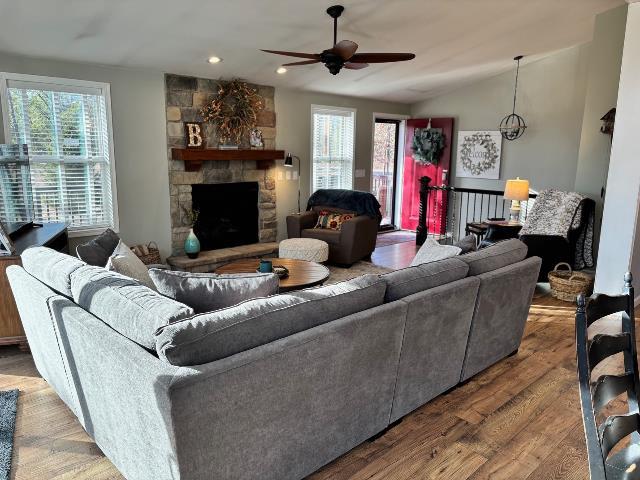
(185, 96)
(228, 214)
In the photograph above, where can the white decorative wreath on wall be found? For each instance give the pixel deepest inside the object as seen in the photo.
(479, 154)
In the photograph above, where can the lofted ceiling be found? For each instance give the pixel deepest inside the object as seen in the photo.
(455, 41)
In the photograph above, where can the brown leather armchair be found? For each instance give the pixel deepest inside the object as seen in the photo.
(355, 240)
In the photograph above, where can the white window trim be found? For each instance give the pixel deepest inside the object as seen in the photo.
(355, 136)
(69, 83)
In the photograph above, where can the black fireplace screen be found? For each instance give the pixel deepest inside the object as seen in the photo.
(228, 214)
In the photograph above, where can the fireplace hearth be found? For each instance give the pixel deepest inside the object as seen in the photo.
(228, 214)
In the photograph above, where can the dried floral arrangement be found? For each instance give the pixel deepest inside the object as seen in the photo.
(234, 110)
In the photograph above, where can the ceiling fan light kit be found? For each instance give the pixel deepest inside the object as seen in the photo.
(342, 54)
(513, 125)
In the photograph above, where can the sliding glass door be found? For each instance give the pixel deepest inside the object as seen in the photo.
(385, 167)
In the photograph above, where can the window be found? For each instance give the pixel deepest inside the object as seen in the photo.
(333, 132)
(66, 125)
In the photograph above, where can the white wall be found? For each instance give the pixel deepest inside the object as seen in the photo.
(620, 240)
(551, 95)
(139, 136)
(605, 59)
(293, 118)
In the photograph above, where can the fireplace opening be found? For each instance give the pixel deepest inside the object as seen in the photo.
(228, 214)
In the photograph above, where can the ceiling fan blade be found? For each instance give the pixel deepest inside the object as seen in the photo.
(306, 62)
(345, 49)
(313, 56)
(355, 66)
(381, 57)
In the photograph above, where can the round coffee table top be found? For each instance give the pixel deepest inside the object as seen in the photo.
(302, 274)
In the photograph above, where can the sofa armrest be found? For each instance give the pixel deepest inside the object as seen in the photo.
(359, 235)
(300, 221)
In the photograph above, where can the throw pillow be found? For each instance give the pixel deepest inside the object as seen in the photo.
(97, 251)
(467, 244)
(206, 292)
(125, 262)
(431, 251)
(332, 221)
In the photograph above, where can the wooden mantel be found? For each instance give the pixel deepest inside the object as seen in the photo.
(193, 158)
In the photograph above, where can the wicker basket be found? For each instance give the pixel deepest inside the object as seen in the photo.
(567, 285)
(149, 253)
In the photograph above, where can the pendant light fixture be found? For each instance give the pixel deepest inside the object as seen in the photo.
(513, 126)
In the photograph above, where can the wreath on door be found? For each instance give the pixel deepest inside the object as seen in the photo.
(427, 145)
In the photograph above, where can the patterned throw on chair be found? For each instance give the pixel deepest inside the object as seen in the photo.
(557, 213)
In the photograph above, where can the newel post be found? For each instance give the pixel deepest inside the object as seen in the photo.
(422, 231)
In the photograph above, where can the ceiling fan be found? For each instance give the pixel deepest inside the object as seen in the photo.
(343, 53)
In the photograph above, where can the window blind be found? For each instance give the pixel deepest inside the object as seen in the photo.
(333, 147)
(66, 130)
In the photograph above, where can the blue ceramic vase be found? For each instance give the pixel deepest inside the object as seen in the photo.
(192, 245)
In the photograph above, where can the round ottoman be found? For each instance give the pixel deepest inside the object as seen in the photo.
(308, 249)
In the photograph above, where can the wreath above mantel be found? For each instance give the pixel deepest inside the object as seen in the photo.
(234, 110)
(427, 145)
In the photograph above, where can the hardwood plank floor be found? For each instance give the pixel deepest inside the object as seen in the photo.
(519, 419)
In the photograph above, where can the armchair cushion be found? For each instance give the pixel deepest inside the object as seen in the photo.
(332, 237)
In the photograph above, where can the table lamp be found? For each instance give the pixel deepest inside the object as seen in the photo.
(517, 191)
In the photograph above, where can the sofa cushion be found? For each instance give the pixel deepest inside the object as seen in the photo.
(432, 251)
(131, 309)
(216, 335)
(495, 256)
(51, 267)
(206, 292)
(125, 262)
(408, 281)
(332, 237)
(97, 251)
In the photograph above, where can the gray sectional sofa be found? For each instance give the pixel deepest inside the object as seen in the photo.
(273, 388)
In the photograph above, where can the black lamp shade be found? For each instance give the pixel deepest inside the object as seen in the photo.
(288, 161)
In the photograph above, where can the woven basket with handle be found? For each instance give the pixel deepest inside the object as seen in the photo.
(567, 285)
(149, 253)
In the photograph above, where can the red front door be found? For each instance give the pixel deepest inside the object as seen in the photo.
(439, 175)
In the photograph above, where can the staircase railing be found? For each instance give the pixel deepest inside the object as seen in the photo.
(446, 211)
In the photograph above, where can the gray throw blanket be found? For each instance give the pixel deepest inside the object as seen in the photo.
(560, 214)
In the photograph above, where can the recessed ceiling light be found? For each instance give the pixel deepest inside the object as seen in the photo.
(281, 70)
(214, 60)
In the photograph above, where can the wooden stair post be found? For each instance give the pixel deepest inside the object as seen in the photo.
(422, 230)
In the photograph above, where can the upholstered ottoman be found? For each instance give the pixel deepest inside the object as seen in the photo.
(308, 249)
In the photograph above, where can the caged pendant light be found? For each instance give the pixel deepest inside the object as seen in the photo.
(513, 126)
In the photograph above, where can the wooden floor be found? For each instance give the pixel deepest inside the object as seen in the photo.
(520, 419)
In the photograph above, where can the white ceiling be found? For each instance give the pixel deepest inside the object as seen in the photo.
(455, 41)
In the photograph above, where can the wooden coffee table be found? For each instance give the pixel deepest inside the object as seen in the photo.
(302, 274)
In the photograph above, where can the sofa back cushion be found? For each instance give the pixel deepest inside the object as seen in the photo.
(206, 292)
(131, 309)
(212, 336)
(407, 281)
(52, 268)
(495, 256)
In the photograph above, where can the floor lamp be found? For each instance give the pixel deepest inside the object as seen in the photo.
(288, 162)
